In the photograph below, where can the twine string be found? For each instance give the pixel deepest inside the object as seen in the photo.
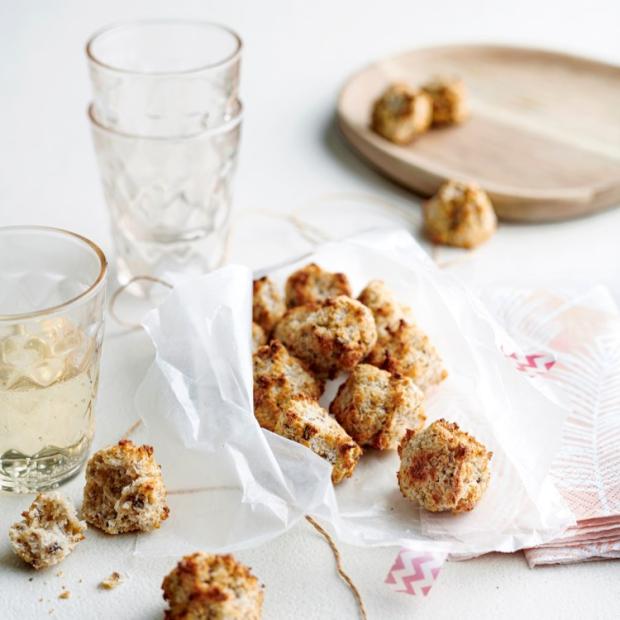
(122, 288)
(343, 575)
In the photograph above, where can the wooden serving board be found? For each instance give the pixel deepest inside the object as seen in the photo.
(543, 138)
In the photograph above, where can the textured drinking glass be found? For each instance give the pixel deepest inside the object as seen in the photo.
(166, 123)
(169, 198)
(165, 78)
(52, 293)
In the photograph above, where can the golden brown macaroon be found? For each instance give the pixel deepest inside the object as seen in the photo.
(203, 586)
(258, 337)
(278, 377)
(381, 301)
(449, 100)
(331, 336)
(401, 346)
(376, 408)
(307, 423)
(312, 284)
(267, 304)
(443, 468)
(460, 214)
(124, 490)
(402, 113)
(48, 532)
(408, 351)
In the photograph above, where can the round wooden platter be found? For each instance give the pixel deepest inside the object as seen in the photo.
(543, 137)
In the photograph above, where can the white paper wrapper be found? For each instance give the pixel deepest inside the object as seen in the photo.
(234, 485)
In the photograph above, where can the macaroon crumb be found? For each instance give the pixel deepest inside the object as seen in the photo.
(111, 582)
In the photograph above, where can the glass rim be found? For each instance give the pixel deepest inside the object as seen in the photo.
(89, 292)
(149, 22)
(213, 131)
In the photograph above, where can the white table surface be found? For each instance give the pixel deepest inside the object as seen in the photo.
(297, 55)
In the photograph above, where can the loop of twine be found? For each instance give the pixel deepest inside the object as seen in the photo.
(124, 287)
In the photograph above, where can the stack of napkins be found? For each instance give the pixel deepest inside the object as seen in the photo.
(574, 347)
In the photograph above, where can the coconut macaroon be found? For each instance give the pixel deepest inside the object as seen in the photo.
(124, 490)
(278, 377)
(331, 336)
(408, 351)
(312, 284)
(386, 310)
(267, 304)
(376, 408)
(443, 468)
(203, 586)
(401, 346)
(307, 423)
(259, 338)
(449, 100)
(402, 113)
(48, 531)
(460, 214)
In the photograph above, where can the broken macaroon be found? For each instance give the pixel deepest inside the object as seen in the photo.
(124, 490)
(48, 531)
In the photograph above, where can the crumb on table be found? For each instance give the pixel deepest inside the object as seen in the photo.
(110, 582)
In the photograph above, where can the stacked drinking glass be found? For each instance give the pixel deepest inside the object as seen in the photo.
(166, 121)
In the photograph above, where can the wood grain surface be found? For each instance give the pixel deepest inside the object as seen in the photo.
(543, 138)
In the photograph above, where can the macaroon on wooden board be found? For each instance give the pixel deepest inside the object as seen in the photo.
(543, 137)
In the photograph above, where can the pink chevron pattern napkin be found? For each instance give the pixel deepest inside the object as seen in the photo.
(533, 363)
(577, 345)
(415, 572)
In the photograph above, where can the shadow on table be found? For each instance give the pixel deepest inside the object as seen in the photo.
(9, 560)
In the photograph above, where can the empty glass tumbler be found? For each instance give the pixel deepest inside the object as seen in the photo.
(52, 293)
(166, 121)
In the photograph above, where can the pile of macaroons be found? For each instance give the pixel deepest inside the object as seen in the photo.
(319, 331)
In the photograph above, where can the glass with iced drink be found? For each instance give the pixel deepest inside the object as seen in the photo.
(52, 293)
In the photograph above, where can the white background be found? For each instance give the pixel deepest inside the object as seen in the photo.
(296, 57)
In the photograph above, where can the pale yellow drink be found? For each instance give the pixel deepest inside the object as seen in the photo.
(48, 383)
